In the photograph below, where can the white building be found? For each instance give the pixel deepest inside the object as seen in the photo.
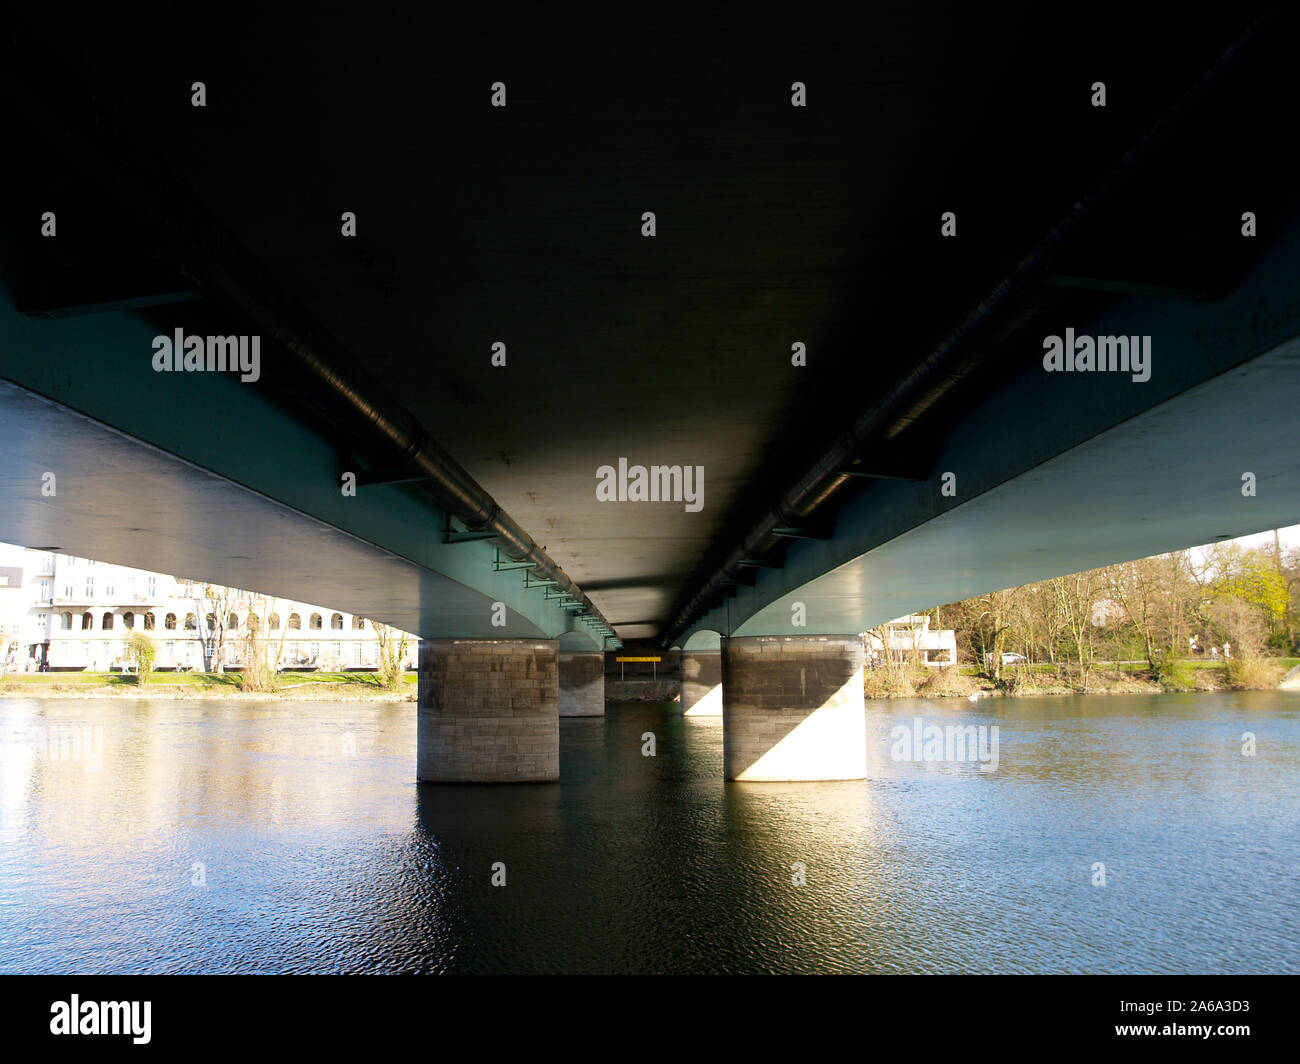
(66, 613)
(910, 639)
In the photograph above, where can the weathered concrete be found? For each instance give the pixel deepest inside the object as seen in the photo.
(488, 711)
(793, 709)
(701, 683)
(582, 683)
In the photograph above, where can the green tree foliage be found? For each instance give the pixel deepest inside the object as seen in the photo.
(142, 652)
(1253, 577)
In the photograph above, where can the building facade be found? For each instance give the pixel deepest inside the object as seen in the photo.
(911, 639)
(65, 613)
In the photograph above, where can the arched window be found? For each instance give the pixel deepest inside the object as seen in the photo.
(128, 619)
(107, 622)
(295, 622)
(67, 622)
(212, 622)
(336, 622)
(252, 622)
(315, 620)
(232, 621)
(191, 623)
(87, 622)
(358, 624)
(149, 621)
(169, 622)
(275, 622)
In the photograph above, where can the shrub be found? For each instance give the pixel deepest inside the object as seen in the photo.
(945, 683)
(142, 652)
(893, 681)
(1174, 675)
(1253, 674)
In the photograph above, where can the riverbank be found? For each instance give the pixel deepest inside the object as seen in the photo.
(900, 682)
(295, 687)
(1032, 681)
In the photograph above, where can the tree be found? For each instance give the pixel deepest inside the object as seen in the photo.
(216, 602)
(283, 609)
(1255, 579)
(1075, 595)
(392, 654)
(1235, 622)
(1180, 597)
(1137, 586)
(1289, 567)
(261, 667)
(1224, 593)
(892, 675)
(992, 624)
(255, 673)
(142, 652)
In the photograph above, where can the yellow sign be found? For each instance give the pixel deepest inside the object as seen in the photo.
(638, 659)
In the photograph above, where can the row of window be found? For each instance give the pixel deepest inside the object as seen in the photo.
(191, 622)
(151, 588)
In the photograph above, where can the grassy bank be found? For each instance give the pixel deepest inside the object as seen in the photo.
(309, 686)
(1127, 678)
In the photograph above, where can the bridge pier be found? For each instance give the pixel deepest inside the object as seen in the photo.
(488, 711)
(793, 708)
(582, 683)
(701, 683)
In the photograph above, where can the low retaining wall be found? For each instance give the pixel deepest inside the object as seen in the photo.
(642, 690)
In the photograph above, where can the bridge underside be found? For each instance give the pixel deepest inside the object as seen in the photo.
(1213, 461)
(799, 172)
(117, 498)
(1165, 480)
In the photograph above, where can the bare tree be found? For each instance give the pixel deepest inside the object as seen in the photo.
(261, 667)
(392, 653)
(215, 601)
(993, 623)
(1138, 587)
(1075, 596)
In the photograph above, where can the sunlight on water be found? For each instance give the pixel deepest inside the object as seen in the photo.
(279, 837)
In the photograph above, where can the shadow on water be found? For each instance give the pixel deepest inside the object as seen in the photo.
(222, 836)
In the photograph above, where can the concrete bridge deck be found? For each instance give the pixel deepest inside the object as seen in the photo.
(483, 258)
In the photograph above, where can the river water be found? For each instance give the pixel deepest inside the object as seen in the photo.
(223, 836)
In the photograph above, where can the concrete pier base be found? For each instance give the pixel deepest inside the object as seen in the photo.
(582, 683)
(701, 683)
(488, 711)
(793, 708)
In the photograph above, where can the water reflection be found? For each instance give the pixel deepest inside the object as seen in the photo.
(245, 836)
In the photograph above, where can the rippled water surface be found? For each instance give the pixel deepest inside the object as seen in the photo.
(211, 836)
